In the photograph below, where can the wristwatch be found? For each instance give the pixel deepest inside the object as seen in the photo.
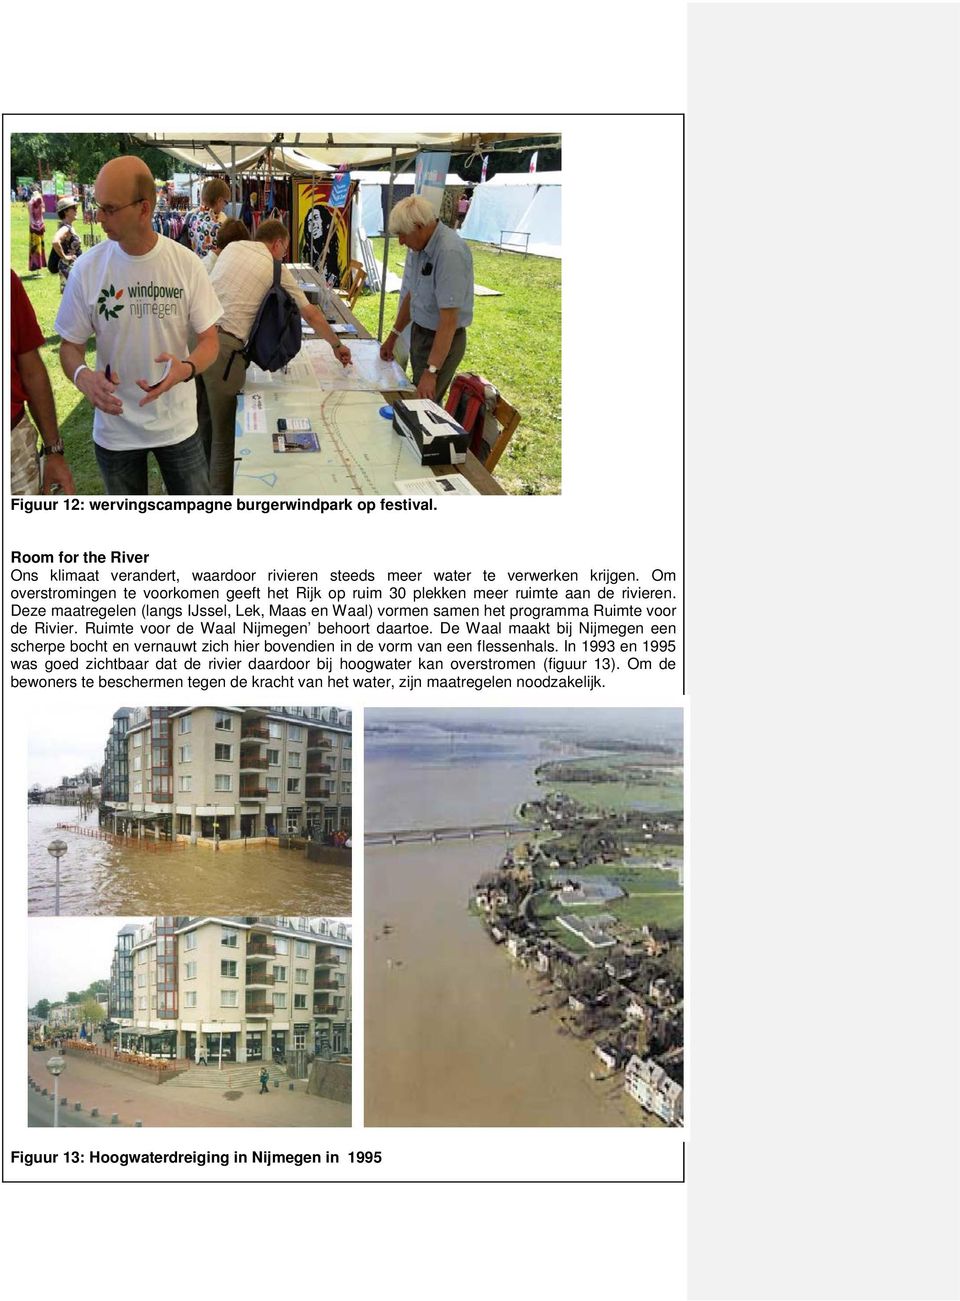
(193, 370)
(433, 369)
(52, 449)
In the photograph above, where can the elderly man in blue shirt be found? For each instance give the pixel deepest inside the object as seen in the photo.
(436, 294)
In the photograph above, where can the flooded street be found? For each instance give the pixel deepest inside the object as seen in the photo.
(450, 1035)
(101, 878)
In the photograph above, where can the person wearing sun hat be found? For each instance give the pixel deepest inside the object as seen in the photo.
(66, 242)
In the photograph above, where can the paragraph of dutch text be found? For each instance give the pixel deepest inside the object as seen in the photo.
(98, 621)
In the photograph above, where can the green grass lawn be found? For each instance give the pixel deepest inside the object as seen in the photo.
(615, 797)
(515, 342)
(74, 413)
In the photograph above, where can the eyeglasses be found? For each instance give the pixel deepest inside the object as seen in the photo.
(111, 209)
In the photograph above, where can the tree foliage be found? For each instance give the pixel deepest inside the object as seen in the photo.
(80, 155)
(91, 1011)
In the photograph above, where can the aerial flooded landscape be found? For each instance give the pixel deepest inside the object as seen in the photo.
(524, 917)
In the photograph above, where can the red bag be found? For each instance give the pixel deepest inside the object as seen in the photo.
(472, 401)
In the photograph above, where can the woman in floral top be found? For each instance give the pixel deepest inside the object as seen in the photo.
(206, 221)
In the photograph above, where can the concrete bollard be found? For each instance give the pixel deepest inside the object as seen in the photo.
(276, 1084)
(78, 1106)
(114, 1119)
(94, 1111)
(138, 1124)
(64, 1101)
(290, 1087)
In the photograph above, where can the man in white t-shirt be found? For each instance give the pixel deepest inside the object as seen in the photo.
(140, 294)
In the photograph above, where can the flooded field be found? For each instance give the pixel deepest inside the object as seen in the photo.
(451, 1037)
(100, 878)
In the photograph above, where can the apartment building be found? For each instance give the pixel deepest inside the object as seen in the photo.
(115, 778)
(120, 1005)
(238, 771)
(240, 988)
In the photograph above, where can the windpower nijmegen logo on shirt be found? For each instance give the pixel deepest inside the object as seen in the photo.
(144, 300)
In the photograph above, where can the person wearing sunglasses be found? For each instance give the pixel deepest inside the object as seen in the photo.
(140, 295)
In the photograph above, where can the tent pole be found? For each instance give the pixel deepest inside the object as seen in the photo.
(386, 243)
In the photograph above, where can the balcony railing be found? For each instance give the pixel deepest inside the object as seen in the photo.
(253, 792)
(326, 984)
(316, 769)
(254, 732)
(327, 959)
(316, 744)
(258, 1009)
(259, 977)
(252, 765)
(326, 1009)
(261, 950)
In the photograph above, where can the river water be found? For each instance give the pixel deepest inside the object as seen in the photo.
(99, 878)
(450, 1036)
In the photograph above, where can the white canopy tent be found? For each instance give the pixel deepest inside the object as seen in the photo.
(517, 201)
(317, 152)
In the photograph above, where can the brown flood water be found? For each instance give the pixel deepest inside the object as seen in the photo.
(99, 878)
(450, 1037)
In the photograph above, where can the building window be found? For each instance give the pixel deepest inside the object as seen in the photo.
(279, 973)
(273, 785)
(190, 940)
(273, 758)
(137, 786)
(142, 1003)
(223, 753)
(186, 724)
(282, 945)
(228, 968)
(228, 998)
(293, 785)
(141, 980)
(294, 733)
(221, 781)
(300, 975)
(347, 764)
(191, 971)
(293, 759)
(186, 753)
(276, 731)
(299, 1002)
(279, 1001)
(228, 937)
(190, 998)
(186, 783)
(136, 763)
(137, 740)
(302, 949)
(223, 722)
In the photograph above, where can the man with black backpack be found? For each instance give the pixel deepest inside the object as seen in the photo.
(262, 307)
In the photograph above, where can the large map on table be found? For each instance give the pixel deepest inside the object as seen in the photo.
(315, 367)
(359, 451)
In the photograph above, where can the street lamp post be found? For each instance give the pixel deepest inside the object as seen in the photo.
(56, 1066)
(57, 848)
